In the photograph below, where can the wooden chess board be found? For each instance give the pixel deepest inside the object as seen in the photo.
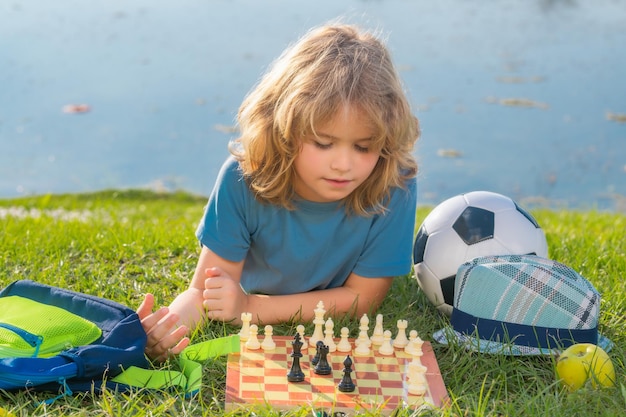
(260, 377)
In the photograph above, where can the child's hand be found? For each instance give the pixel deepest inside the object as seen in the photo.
(224, 299)
(165, 338)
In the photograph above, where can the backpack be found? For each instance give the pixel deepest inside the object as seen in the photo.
(56, 340)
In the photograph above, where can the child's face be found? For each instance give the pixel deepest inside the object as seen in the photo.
(335, 162)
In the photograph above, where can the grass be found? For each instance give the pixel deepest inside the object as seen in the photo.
(122, 244)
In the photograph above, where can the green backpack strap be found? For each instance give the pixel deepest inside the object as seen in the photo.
(189, 379)
(156, 379)
(193, 355)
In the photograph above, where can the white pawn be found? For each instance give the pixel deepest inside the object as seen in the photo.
(377, 335)
(268, 342)
(244, 333)
(401, 341)
(300, 330)
(329, 335)
(344, 344)
(386, 349)
(253, 342)
(362, 347)
(409, 349)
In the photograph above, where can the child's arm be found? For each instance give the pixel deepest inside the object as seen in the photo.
(356, 297)
(225, 300)
(215, 293)
(168, 327)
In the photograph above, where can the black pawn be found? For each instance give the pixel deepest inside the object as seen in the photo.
(316, 358)
(346, 384)
(323, 367)
(295, 374)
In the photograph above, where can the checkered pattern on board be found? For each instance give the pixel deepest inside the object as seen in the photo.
(259, 377)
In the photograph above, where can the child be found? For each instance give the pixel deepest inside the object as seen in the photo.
(317, 201)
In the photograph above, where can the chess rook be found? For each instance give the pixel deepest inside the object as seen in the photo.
(323, 367)
(244, 333)
(318, 352)
(401, 340)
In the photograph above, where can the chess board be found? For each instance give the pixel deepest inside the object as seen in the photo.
(260, 377)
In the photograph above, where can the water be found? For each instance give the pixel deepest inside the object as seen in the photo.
(163, 80)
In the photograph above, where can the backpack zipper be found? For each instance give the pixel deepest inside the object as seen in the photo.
(33, 340)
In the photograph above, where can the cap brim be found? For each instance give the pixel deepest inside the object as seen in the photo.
(449, 336)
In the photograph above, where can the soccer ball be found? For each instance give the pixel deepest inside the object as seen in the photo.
(464, 227)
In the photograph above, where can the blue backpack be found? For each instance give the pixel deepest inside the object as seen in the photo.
(56, 340)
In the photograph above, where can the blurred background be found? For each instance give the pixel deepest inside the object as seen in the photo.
(522, 97)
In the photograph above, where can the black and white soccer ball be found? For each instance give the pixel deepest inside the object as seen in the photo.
(464, 227)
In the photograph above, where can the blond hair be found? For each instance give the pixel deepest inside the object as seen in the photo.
(331, 66)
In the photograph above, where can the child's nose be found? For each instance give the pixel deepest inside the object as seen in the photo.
(342, 160)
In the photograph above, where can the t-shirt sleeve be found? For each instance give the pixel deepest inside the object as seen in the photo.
(389, 246)
(223, 227)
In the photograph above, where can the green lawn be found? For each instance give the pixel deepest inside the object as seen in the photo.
(122, 244)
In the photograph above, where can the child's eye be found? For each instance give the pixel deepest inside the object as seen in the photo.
(321, 145)
(362, 149)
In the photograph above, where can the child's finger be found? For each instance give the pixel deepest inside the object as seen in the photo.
(212, 284)
(146, 306)
(152, 320)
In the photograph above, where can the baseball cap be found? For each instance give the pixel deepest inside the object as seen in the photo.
(522, 305)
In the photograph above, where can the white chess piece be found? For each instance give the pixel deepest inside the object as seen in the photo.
(417, 352)
(344, 344)
(410, 347)
(363, 329)
(268, 342)
(377, 335)
(329, 335)
(401, 341)
(362, 344)
(244, 333)
(300, 330)
(418, 344)
(253, 342)
(318, 332)
(417, 379)
(386, 349)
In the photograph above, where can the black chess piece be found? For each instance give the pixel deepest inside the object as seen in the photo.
(346, 384)
(316, 358)
(323, 367)
(295, 374)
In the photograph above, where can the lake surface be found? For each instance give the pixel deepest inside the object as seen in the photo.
(519, 97)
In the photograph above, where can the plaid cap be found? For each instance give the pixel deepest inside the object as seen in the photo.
(522, 305)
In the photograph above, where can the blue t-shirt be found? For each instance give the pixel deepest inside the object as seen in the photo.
(316, 246)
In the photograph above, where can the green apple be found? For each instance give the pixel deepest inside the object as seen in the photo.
(584, 362)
